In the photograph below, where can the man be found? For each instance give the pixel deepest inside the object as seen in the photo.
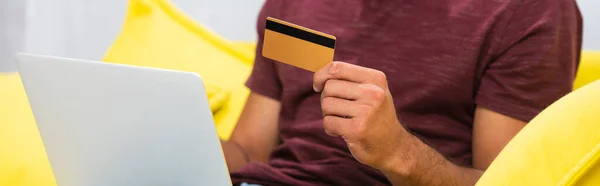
(421, 93)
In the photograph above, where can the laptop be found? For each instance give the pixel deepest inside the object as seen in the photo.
(109, 124)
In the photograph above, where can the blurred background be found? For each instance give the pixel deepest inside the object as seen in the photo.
(86, 28)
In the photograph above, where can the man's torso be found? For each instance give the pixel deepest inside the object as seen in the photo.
(433, 53)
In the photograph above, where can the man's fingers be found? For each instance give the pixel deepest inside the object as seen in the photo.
(348, 72)
(339, 107)
(321, 76)
(336, 126)
(341, 89)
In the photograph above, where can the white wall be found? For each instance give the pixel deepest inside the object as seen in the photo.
(86, 28)
(73, 28)
(12, 25)
(233, 19)
(591, 23)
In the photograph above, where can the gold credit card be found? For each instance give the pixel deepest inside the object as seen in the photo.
(296, 45)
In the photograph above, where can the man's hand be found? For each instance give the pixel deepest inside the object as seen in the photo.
(358, 107)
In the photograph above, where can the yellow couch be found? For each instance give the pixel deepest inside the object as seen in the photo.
(560, 146)
(589, 69)
(23, 160)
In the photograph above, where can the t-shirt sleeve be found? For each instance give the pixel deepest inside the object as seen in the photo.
(263, 78)
(535, 61)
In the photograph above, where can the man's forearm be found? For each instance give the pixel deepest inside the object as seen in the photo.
(234, 155)
(419, 164)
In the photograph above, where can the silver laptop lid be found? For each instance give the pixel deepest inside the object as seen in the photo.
(116, 125)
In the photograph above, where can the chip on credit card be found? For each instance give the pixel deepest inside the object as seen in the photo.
(296, 45)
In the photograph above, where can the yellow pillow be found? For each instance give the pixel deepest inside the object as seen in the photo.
(217, 97)
(589, 68)
(561, 146)
(156, 34)
(248, 47)
(23, 160)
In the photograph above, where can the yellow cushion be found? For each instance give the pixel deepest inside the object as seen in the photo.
(217, 97)
(248, 47)
(589, 68)
(561, 146)
(23, 161)
(156, 34)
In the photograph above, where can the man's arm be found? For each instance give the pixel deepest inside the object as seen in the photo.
(360, 109)
(255, 135)
(491, 132)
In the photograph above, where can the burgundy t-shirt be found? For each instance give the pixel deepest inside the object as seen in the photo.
(442, 59)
